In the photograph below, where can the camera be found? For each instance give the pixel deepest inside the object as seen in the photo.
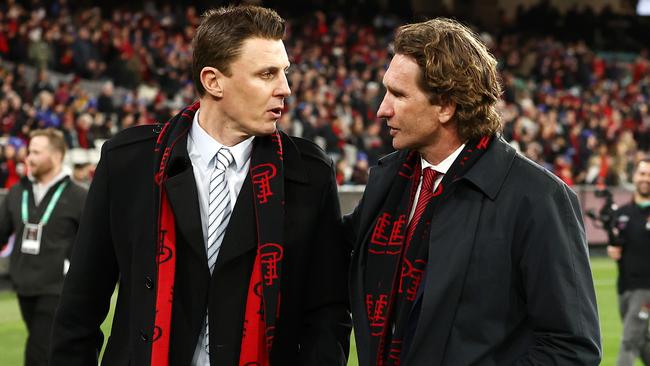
(605, 218)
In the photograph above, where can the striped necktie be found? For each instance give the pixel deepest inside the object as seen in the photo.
(426, 193)
(218, 216)
(219, 205)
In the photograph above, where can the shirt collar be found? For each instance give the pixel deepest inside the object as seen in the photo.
(62, 174)
(444, 165)
(206, 147)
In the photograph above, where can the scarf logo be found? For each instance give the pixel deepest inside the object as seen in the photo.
(163, 163)
(394, 352)
(257, 290)
(406, 171)
(270, 333)
(483, 143)
(262, 175)
(411, 277)
(157, 333)
(376, 308)
(270, 256)
(276, 138)
(381, 242)
(164, 252)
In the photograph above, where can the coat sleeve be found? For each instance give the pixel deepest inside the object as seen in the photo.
(90, 282)
(557, 281)
(325, 333)
(6, 222)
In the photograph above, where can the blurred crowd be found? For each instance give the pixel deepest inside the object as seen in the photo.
(580, 111)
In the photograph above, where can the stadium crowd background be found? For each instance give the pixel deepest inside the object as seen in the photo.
(576, 85)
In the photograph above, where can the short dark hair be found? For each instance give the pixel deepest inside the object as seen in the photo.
(219, 37)
(55, 138)
(455, 66)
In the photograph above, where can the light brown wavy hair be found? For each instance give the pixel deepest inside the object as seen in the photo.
(218, 39)
(455, 66)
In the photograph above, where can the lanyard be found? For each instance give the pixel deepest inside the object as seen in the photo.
(50, 205)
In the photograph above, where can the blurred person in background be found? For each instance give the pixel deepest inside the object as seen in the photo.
(223, 232)
(464, 251)
(632, 252)
(43, 211)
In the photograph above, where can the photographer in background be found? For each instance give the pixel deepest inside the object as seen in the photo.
(44, 212)
(632, 251)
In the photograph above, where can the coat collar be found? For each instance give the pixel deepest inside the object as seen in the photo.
(490, 171)
(294, 166)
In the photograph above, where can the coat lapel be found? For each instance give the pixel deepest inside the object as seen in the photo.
(241, 233)
(450, 251)
(183, 197)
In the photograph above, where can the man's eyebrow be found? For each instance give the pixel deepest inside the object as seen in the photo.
(394, 90)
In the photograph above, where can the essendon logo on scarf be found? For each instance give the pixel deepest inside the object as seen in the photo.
(376, 307)
(387, 236)
(411, 277)
(262, 175)
(270, 256)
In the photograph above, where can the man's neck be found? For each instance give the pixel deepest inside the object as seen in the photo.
(217, 125)
(641, 200)
(49, 177)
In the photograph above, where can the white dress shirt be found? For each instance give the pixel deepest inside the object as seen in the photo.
(202, 149)
(442, 168)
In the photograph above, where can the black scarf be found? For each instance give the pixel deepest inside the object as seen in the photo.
(263, 299)
(393, 275)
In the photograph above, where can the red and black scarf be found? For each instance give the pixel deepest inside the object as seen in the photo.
(263, 299)
(394, 267)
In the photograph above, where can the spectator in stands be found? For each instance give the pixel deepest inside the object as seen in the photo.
(464, 252)
(43, 212)
(631, 251)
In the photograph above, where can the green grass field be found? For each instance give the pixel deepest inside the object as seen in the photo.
(12, 331)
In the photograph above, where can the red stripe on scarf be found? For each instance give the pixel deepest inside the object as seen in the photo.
(253, 344)
(166, 259)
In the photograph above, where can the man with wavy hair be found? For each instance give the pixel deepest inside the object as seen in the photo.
(224, 233)
(464, 251)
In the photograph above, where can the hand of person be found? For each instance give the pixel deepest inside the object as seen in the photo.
(614, 252)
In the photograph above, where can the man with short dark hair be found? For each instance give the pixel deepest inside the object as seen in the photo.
(632, 252)
(464, 252)
(43, 211)
(224, 233)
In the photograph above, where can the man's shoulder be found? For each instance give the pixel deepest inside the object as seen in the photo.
(534, 177)
(309, 151)
(75, 188)
(143, 134)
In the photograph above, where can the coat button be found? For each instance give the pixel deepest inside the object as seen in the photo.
(143, 336)
(148, 282)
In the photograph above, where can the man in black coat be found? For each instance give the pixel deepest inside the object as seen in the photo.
(631, 251)
(224, 233)
(464, 252)
(43, 211)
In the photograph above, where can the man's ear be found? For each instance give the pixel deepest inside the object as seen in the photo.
(447, 111)
(212, 81)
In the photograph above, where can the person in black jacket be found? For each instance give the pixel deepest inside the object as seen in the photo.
(43, 211)
(632, 251)
(464, 251)
(224, 233)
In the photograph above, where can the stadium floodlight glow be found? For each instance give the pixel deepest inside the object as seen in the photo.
(643, 7)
